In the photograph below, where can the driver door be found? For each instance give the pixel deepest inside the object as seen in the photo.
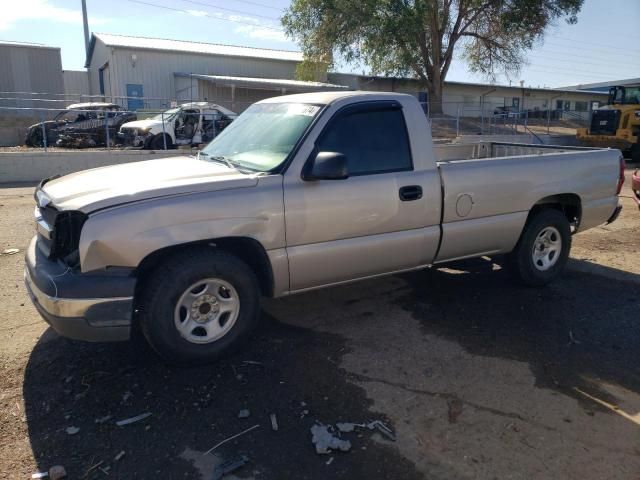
(340, 230)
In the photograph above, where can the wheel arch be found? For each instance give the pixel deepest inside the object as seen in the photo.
(246, 249)
(570, 204)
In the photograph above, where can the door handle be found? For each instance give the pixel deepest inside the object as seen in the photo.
(410, 192)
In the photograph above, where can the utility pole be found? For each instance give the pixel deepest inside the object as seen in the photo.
(85, 24)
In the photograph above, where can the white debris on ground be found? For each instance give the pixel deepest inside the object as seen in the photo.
(325, 441)
(137, 418)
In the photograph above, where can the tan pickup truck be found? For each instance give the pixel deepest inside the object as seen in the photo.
(300, 192)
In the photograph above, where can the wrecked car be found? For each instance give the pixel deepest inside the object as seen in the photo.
(81, 125)
(188, 124)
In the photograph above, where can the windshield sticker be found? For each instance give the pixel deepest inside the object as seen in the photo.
(301, 109)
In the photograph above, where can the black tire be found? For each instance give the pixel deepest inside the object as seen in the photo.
(521, 260)
(157, 142)
(635, 153)
(168, 282)
(33, 139)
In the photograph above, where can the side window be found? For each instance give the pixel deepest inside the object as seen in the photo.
(373, 141)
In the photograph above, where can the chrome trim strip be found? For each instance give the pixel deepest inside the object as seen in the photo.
(43, 228)
(64, 307)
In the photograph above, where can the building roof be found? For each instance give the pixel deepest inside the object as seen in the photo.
(9, 43)
(265, 82)
(168, 45)
(611, 83)
(517, 88)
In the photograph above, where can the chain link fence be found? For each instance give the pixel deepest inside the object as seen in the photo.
(475, 120)
(40, 120)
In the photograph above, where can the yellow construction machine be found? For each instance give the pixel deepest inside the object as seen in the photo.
(616, 124)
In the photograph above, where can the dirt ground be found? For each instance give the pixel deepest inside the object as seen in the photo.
(477, 378)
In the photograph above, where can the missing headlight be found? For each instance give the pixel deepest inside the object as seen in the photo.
(66, 237)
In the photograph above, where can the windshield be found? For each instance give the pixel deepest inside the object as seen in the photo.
(263, 136)
(632, 95)
(168, 115)
(624, 95)
(71, 116)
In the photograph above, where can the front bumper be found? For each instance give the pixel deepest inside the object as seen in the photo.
(130, 139)
(91, 307)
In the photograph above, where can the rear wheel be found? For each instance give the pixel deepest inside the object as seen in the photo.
(199, 305)
(543, 249)
(635, 153)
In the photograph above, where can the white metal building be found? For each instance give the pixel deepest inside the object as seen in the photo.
(161, 70)
(151, 73)
(29, 70)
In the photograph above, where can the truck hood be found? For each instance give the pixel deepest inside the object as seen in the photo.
(142, 124)
(104, 187)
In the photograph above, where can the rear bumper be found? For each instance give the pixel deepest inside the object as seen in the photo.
(616, 213)
(635, 186)
(89, 307)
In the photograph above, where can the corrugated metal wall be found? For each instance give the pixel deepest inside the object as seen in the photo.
(154, 70)
(101, 55)
(76, 83)
(30, 69)
(244, 97)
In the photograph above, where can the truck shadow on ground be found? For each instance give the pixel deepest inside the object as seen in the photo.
(287, 371)
(576, 333)
(581, 327)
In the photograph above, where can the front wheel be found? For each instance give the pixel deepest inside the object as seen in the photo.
(543, 249)
(200, 304)
(158, 142)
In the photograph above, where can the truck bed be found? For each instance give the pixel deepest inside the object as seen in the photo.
(490, 187)
(487, 150)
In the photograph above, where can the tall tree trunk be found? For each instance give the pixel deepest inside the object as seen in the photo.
(435, 97)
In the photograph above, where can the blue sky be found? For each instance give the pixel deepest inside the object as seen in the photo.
(570, 54)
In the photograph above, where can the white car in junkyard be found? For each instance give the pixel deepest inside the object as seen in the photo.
(188, 124)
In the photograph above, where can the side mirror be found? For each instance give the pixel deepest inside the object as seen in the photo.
(326, 166)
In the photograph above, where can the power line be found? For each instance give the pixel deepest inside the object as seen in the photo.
(601, 64)
(615, 47)
(566, 54)
(194, 2)
(607, 50)
(213, 17)
(248, 2)
(568, 74)
(555, 67)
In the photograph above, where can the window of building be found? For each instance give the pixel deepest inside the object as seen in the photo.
(373, 141)
(582, 106)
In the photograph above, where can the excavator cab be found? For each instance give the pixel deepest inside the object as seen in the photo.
(624, 96)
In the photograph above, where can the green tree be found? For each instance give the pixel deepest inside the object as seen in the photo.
(421, 37)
